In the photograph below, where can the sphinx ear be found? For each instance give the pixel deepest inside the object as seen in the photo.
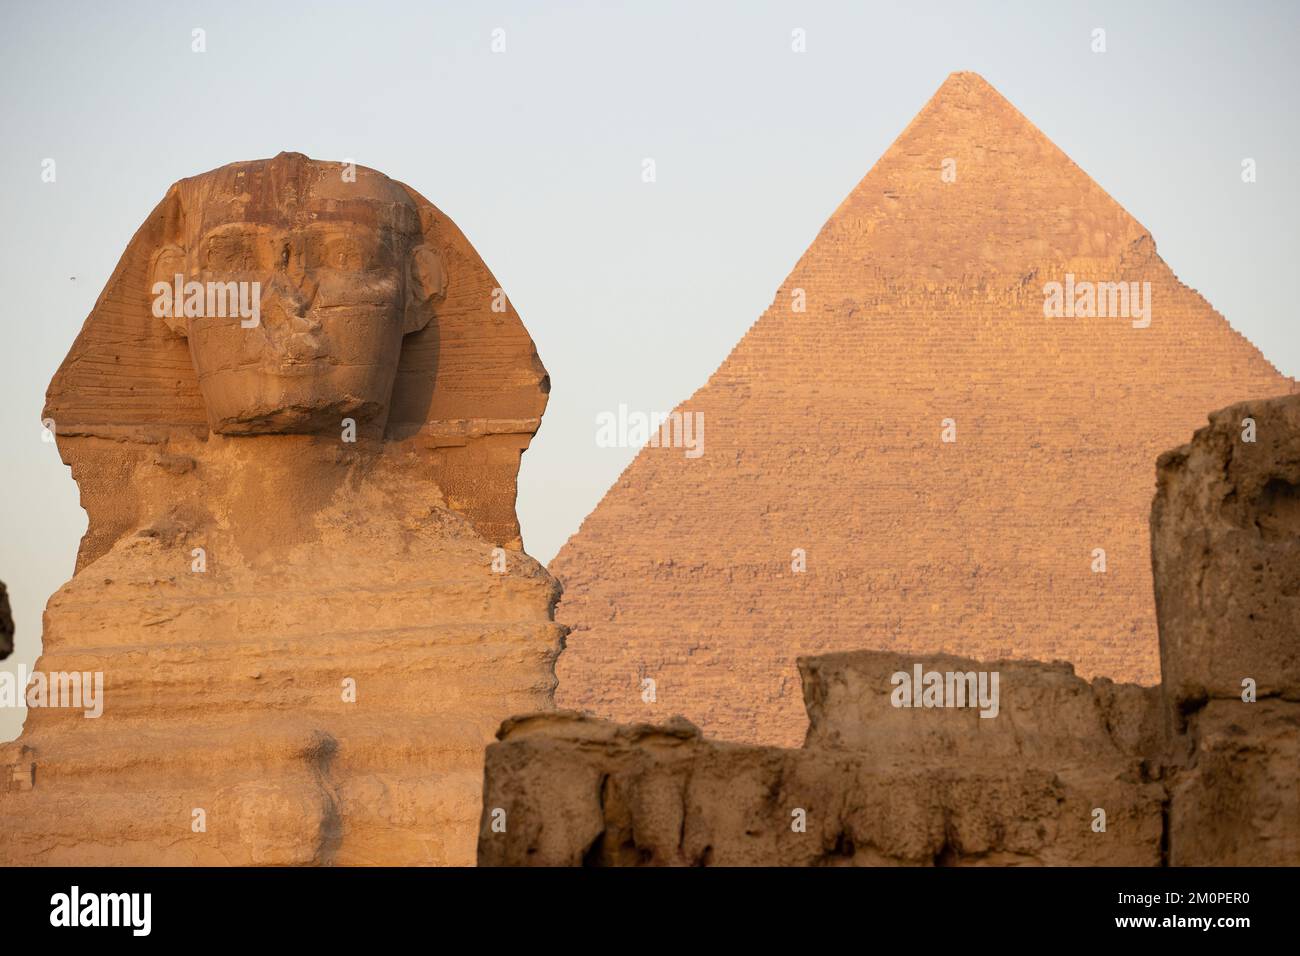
(167, 263)
(426, 282)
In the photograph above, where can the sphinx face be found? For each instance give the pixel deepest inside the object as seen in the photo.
(327, 283)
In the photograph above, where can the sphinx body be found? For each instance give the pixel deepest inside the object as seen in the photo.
(302, 577)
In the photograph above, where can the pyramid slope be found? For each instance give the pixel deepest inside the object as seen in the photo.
(924, 302)
(898, 221)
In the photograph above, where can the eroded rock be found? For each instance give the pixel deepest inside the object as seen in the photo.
(1226, 554)
(1225, 531)
(1040, 712)
(571, 790)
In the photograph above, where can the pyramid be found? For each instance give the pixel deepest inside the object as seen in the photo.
(924, 317)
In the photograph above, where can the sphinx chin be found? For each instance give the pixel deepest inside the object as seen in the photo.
(305, 419)
(296, 399)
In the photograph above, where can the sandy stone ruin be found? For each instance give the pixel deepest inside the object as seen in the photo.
(302, 580)
(1201, 770)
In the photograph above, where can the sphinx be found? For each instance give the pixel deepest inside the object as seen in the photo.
(302, 577)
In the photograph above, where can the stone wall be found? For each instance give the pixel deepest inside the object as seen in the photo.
(1225, 532)
(873, 785)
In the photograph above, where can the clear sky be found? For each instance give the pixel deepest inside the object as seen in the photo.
(634, 292)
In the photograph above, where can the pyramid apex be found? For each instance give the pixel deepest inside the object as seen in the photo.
(987, 196)
(965, 75)
(963, 84)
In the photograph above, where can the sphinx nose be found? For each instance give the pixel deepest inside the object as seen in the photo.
(286, 311)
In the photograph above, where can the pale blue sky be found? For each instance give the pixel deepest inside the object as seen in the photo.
(633, 292)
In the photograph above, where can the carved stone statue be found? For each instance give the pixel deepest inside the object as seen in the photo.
(342, 272)
(295, 415)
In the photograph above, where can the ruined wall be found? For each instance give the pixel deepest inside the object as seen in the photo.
(874, 785)
(1225, 532)
(1201, 770)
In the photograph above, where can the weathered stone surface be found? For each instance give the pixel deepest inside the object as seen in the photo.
(6, 624)
(321, 689)
(1044, 712)
(1226, 553)
(467, 393)
(580, 791)
(924, 302)
(879, 784)
(1237, 800)
(1225, 545)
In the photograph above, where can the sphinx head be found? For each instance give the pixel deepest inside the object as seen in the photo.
(294, 282)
